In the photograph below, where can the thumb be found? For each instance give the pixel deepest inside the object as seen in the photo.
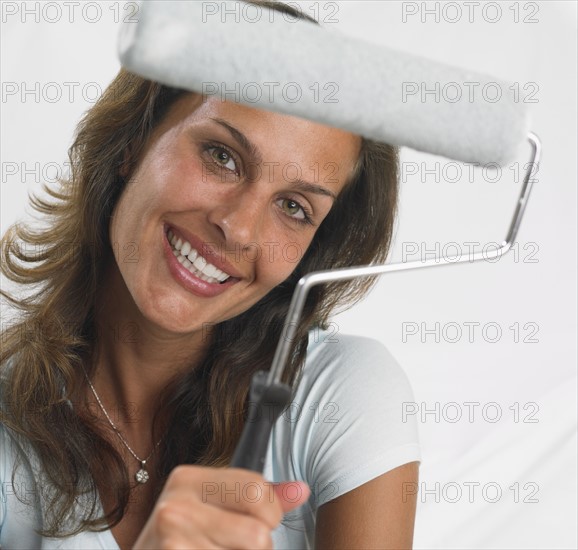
(291, 494)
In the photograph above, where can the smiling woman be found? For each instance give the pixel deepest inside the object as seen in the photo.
(167, 265)
(201, 178)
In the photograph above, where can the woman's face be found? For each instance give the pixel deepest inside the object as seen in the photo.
(240, 192)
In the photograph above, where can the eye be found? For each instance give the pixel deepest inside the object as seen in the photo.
(222, 157)
(292, 208)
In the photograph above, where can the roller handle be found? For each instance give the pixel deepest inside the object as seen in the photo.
(267, 403)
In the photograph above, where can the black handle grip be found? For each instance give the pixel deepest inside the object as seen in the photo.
(266, 404)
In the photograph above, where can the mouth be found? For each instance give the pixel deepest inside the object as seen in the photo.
(192, 260)
(197, 272)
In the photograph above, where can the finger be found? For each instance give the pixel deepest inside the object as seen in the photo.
(291, 494)
(237, 530)
(189, 518)
(175, 525)
(200, 543)
(234, 489)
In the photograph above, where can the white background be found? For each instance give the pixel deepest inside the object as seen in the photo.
(536, 285)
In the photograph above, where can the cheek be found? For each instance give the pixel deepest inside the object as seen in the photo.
(160, 185)
(167, 176)
(185, 184)
(278, 259)
(122, 224)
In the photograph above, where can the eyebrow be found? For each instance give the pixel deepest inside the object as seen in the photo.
(312, 188)
(254, 152)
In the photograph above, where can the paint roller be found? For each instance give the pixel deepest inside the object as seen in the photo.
(268, 60)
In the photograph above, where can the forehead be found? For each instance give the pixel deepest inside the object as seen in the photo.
(279, 138)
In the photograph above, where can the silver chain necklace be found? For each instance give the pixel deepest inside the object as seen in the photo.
(142, 476)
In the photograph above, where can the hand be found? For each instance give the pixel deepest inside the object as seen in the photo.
(203, 507)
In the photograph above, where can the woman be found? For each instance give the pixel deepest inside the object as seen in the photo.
(165, 274)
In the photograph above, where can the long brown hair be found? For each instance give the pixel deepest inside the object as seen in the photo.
(62, 264)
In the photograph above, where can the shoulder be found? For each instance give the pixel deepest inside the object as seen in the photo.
(20, 511)
(364, 364)
(345, 422)
(13, 450)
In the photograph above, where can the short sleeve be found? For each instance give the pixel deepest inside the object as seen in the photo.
(351, 428)
(20, 513)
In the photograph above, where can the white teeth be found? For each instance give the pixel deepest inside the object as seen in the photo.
(189, 257)
(185, 249)
(200, 263)
(193, 255)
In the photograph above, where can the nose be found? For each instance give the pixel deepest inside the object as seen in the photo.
(239, 218)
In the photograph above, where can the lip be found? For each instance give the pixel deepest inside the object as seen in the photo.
(185, 278)
(205, 250)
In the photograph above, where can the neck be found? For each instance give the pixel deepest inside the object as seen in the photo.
(134, 360)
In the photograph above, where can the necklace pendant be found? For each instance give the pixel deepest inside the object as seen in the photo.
(142, 476)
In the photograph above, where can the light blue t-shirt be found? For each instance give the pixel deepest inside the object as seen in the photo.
(343, 429)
